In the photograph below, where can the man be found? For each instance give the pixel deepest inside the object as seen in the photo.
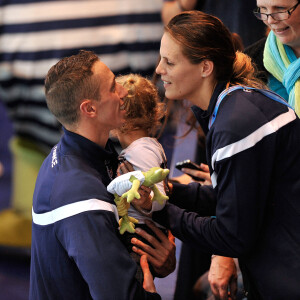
(76, 252)
(34, 35)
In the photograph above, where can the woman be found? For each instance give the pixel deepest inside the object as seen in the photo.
(252, 153)
(277, 57)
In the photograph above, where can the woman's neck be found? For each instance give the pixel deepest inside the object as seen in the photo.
(205, 93)
(126, 139)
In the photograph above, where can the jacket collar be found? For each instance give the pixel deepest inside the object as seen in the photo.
(203, 116)
(73, 143)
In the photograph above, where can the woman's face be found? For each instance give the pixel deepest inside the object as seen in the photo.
(181, 79)
(287, 31)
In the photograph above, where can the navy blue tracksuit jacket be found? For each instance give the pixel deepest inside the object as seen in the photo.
(254, 157)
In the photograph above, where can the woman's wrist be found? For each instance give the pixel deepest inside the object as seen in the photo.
(170, 188)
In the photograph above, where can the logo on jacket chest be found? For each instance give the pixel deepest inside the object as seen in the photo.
(54, 157)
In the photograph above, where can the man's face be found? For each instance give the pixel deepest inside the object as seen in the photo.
(287, 31)
(110, 112)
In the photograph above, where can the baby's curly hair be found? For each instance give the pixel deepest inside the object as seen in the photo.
(142, 104)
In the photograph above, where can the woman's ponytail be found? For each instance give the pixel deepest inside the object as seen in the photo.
(244, 72)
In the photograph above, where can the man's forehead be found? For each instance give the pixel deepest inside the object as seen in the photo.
(100, 69)
(104, 75)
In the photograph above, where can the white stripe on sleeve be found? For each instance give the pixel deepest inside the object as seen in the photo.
(252, 139)
(73, 209)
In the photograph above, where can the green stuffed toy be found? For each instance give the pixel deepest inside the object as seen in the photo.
(125, 189)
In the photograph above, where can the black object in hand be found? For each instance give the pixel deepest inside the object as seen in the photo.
(190, 165)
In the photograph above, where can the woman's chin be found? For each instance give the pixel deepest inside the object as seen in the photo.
(172, 96)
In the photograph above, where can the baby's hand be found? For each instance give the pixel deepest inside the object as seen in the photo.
(145, 201)
(124, 167)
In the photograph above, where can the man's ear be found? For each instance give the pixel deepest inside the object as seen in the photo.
(207, 67)
(87, 108)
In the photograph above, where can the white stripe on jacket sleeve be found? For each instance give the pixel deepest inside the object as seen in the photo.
(73, 209)
(251, 140)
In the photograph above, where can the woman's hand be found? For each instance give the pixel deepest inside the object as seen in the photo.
(203, 174)
(161, 253)
(222, 277)
(183, 179)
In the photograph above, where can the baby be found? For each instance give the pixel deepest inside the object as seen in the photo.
(143, 115)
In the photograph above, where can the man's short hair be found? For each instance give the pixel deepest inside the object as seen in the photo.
(69, 82)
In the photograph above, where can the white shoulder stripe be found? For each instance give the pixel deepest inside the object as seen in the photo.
(71, 210)
(252, 139)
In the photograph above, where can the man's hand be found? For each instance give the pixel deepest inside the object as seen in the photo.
(162, 253)
(148, 283)
(223, 277)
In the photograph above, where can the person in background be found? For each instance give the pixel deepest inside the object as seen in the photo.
(277, 56)
(236, 15)
(252, 137)
(76, 249)
(144, 112)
